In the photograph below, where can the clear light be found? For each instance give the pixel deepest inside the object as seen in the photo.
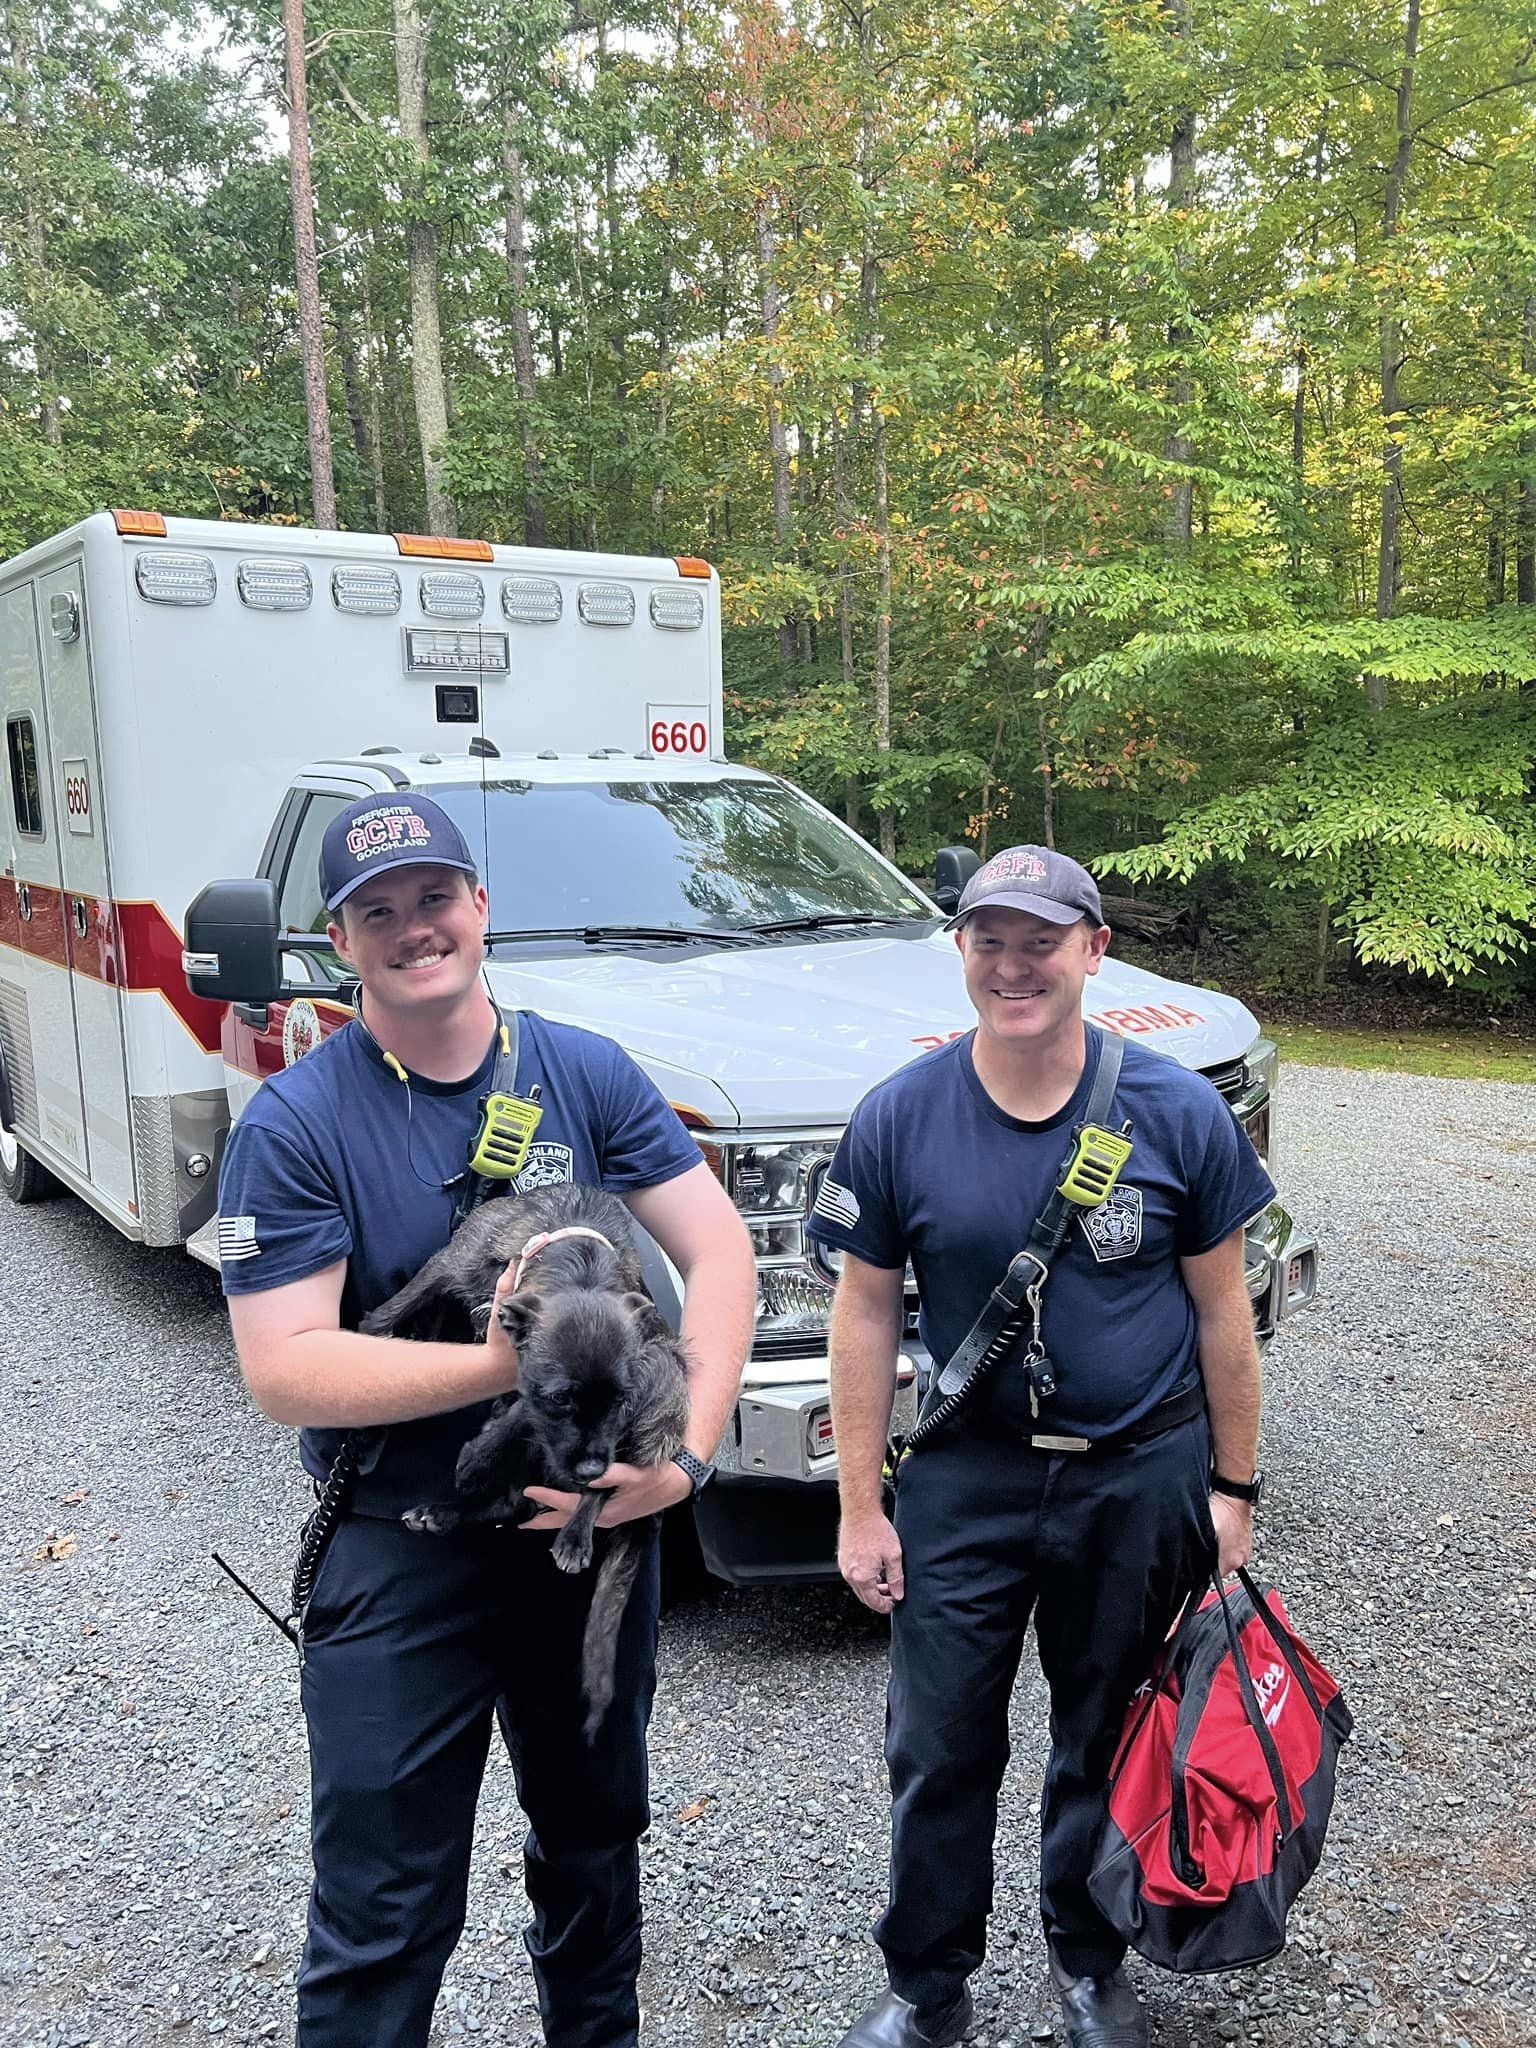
(449, 594)
(531, 600)
(365, 590)
(792, 1298)
(274, 586)
(606, 604)
(165, 577)
(776, 1237)
(677, 611)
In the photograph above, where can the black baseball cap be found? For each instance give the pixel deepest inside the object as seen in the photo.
(378, 834)
(1032, 878)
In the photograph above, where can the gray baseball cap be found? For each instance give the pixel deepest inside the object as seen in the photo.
(1035, 879)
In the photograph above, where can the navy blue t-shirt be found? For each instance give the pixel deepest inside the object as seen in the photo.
(931, 1169)
(325, 1164)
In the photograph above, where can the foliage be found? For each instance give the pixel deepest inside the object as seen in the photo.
(1173, 369)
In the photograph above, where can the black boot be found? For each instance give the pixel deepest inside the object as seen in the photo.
(1101, 2012)
(892, 2023)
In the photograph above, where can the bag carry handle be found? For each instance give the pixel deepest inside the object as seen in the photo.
(1284, 1640)
(1181, 1853)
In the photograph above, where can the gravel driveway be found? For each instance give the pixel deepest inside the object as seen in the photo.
(154, 1832)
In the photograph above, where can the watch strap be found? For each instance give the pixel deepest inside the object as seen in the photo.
(698, 1472)
(1239, 1489)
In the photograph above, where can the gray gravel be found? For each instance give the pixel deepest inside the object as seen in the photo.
(155, 1823)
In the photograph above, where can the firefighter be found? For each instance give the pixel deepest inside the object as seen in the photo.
(339, 1182)
(1090, 1490)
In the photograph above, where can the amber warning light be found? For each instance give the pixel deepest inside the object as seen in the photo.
(147, 525)
(443, 548)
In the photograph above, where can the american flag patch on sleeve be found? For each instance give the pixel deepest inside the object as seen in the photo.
(237, 1239)
(838, 1204)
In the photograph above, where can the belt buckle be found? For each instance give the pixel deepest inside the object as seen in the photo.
(1059, 1443)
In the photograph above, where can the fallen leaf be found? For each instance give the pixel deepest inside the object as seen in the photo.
(72, 1500)
(694, 1812)
(54, 1548)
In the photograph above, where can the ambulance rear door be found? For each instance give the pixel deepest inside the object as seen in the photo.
(90, 919)
(37, 1011)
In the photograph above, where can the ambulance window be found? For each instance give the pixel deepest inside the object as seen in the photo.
(301, 907)
(26, 795)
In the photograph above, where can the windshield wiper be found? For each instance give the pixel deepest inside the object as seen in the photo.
(598, 934)
(825, 918)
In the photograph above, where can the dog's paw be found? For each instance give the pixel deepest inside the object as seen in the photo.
(431, 1521)
(574, 1555)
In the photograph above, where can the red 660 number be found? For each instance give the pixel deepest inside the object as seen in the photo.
(676, 729)
(77, 796)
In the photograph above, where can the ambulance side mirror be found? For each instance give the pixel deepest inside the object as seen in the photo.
(953, 867)
(231, 952)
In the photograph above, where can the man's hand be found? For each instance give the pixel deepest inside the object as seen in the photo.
(1233, 1520)
(869, 1558)
(500, 1351)
(635, 1491)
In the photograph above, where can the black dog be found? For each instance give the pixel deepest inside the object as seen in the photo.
(601, 1380)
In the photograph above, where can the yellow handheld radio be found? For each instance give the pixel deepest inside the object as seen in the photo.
(1095, 1166)
(499, 1149)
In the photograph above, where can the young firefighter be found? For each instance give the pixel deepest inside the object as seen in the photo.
(1095, 1514)
(337, 1186)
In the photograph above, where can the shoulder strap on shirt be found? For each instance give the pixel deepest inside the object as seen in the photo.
(1029, 1267)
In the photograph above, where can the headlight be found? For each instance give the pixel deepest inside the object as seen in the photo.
(773, 1182)
(1255, 1107)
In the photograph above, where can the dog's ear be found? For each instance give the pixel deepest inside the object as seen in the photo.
(519, 1313)
(643, 1312)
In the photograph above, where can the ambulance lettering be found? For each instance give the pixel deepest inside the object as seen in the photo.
(1147, 1017)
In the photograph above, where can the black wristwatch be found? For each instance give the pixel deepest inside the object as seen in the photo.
(1240, 1489)
(699, 1474)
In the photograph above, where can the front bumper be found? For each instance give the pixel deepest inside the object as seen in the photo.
(772, 1513)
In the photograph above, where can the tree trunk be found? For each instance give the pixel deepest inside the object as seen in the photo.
(778, 438)
(1047, 781)
(375, 404)
(1178, 521)
(1498, 547)
(869, 309)
(1388, 559)
(660, 406)
(535, 534)
(428, 384)
(35, 291)
(306, 264)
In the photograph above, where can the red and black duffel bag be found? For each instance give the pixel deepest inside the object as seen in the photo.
(1220, 1792)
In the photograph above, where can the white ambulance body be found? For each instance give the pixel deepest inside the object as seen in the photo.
(185, 701)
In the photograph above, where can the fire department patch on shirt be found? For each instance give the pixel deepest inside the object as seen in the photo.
(237, 1239)
(549, 1166)
(1113, 1230)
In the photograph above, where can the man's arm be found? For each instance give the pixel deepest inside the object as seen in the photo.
(866, 1339)
(302, 1368)
(697, 1226)
(1229, 1364)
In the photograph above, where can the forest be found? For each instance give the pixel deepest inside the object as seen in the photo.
(1113, 421)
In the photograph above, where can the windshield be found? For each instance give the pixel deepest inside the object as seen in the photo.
(725, 854)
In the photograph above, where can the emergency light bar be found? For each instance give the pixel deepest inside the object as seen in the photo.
(606, 604)
(446, 594)
(268, 586)
(677, 611)
(165, 577)
(365, 590)
(531, 600)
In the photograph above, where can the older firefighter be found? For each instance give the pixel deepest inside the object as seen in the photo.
(1101, 1466)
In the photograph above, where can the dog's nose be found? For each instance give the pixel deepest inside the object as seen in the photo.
(590, 1469)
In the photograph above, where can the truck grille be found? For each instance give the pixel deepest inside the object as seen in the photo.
(1229, 1079)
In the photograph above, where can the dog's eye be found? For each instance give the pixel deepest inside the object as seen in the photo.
(559, 1397)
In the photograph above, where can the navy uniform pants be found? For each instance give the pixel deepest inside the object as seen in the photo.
(1100, 1550)
(413, 1646)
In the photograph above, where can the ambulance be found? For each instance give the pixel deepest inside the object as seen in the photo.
(188, 702)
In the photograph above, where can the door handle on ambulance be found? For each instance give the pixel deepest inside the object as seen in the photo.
(24, 901)
(256, 1015)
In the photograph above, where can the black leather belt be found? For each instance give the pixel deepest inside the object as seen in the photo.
(1165, 1416)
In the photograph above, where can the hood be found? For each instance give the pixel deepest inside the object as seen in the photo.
(790, 1034)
